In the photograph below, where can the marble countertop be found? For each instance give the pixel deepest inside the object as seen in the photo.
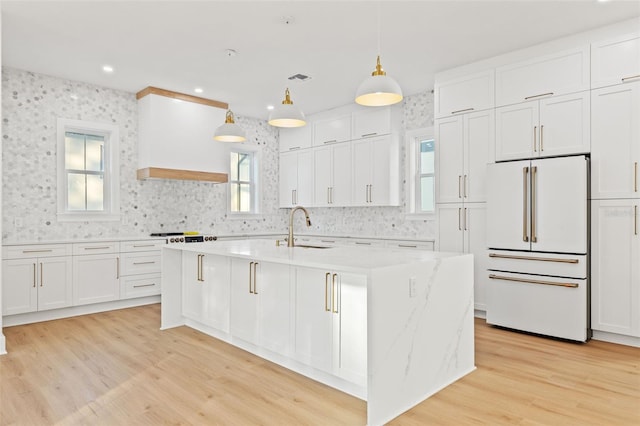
(347, 259)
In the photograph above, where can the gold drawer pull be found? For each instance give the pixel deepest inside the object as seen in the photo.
(37, 251)
(541, 259)
(524, 280)
(538, 96)
(143, 263)
(143, 245)
(97, 248)
(461, 110)
(630, 77)
(144, 285)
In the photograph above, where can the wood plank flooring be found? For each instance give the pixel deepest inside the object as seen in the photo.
(117, 368)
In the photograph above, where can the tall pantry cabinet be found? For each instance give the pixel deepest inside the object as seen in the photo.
(464, 133)
(615, 186)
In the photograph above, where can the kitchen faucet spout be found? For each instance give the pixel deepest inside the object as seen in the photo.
(290, 242)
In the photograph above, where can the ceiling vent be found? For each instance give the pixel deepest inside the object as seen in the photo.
(299, 77)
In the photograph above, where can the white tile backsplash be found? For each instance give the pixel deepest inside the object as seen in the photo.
(32, 102)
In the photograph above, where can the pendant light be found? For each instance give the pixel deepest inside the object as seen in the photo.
(286, 114)
(379, 89)
(230, 131)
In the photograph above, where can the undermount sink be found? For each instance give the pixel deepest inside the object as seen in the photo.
(314, 247)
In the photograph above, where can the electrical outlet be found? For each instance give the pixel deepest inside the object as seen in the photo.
(412, 287)
(17, 222)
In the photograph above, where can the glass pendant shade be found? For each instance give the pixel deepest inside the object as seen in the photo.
(230, 131)
(379, 89)
(286, 114)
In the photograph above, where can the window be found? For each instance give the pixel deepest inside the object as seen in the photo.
(88, 181)
(243, 182)
(421, 172)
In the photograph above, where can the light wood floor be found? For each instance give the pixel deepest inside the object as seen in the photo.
(117, 368)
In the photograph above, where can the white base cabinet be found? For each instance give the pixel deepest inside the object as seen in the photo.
(260, 304)
(615, 267)
(331, 322)
(96, 278)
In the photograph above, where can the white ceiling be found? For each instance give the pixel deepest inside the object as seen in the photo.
(180, 45)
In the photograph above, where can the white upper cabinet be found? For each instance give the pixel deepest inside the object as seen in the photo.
(474, 92)
(332, 130)
(178, 134)
(332, 175)
(375, 172)
(296, 138)
(615, 61)
(615, 134)
(296, 178)
(371, 122)
(545, 128)
(550, 75)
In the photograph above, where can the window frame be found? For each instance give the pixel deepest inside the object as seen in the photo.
(254, 182)
(111, 194)
(413, 139)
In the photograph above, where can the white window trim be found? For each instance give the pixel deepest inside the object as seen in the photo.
(257, 177)
(412, 139)
(112, 171)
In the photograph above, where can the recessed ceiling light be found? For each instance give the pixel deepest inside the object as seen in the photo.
(230, 52)
(269, 107)
(198, 90)
(107, 68)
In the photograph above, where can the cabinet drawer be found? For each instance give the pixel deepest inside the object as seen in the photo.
(465, 94)
(561, 265)
(139, 286)
(96, 248)
(140, 263)
(615, 61)
(408, 244)
(371, 122)
(36, 250)
(332, 131)
(142, 245)
(366, 242)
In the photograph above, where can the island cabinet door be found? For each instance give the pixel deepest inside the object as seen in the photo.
(244, 303)
(215, 275)
(271, 287)
(350, 327)
(192, 286)
(314, 319)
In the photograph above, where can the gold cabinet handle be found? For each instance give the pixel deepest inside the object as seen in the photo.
(541, 137)
(635, 176)
(328, 195)
(459, 183)
(524, 280)
(367, 135)
(118, 267)
(331, 194)
(534, 138)
(143, 245)
(34, 275)
(541, 259)
(459, 220)
(326, 290)
(144, 285)
(461, 110)
(143, 263)
(534, 237)
(635, 220)
(251, 277)
(334, 291)
(37, 251)
(97, 248)
(293, 201)
(538, 96)
(630, 78)
(525, 234)
(465, 218)
(464, 186)
(41, 276)
(255, 278)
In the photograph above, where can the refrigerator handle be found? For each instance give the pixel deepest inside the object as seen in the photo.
(525, 235)
(534, 237)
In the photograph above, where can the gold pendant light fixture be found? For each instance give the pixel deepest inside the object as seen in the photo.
(379, 89)
(287, 114)
(230, 131)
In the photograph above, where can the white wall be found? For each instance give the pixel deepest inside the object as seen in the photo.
(31, 103)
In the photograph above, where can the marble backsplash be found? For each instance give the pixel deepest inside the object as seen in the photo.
(32, 102)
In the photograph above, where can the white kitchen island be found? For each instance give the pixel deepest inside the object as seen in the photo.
(391, 327)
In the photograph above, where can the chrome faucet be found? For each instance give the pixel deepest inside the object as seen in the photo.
(293, 210)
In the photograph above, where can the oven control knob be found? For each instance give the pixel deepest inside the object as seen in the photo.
(214, 238)
(172, 240)
(181, 240)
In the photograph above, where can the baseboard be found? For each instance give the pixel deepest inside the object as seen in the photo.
(619, 339)
(480, 312)
(3, 346)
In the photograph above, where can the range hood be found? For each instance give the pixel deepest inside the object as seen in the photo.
(175, 137)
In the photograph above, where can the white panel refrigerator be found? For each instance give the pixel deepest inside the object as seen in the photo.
(537, 235)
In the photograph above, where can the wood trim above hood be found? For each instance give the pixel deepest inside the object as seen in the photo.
(160, 173)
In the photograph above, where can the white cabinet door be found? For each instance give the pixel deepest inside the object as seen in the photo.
(450, 224)
(517, 131)
(341, 179)
(475, 242)
(322, 176)
(473, 92)
(559, 205)
(615, 61)
(554, 74)
(508, 205)
(294, 138)
(350, 327)
(55, 287)
(244, 303)
(332, 130)
(371, 122)
(384, 185)
(314, 318)
(361, 172)
(615, 266)
(296, 178)
(192, 286)
(216, 277)
(19, 286)
(615, 146)
(449, 159)
(565, 125)
(95, 278)
(479, 136)
(272, 290)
